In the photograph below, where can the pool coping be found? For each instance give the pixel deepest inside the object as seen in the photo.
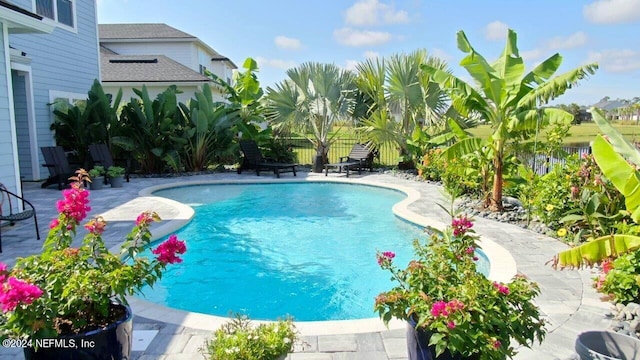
(502, 269)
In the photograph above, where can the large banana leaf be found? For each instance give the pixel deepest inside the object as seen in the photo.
(619, 143)
(595, 251)
(623, 176)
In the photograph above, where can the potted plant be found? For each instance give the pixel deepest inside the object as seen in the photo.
(97, 177)
(69, 302)
(239, 339)
(116, 176)
(452, 310)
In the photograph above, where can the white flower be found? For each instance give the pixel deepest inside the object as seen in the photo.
(286, 340)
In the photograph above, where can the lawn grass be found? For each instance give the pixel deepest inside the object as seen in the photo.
(583, 133)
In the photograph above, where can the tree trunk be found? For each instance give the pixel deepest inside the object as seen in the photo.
(321, 158)
(496, 199)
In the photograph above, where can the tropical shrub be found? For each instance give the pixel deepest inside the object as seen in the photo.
(622, 278)
(433, 165)
(156, 129)
(239, 339)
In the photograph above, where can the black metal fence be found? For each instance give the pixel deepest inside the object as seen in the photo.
(388, 154)
(305, 152)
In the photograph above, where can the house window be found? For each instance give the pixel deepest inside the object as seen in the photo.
(61, 11)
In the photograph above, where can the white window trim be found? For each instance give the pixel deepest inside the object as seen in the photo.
(74, 9)
(55, 94)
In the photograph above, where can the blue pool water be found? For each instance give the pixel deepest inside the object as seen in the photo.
(271, 250)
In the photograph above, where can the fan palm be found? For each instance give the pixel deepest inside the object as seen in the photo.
(506, 99)
(401, 97)
(315, 98)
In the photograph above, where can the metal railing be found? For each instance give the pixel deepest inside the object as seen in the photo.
(305, 152)
(388, 154)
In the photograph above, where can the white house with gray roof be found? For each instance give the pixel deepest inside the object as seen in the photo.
(157, 55)
(48, 52)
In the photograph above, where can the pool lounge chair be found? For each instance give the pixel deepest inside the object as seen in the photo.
(360, 157)
(13, 215)
(253, 159)
(101, 155)
(56, 161)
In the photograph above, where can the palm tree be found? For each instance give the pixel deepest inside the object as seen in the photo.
(506, 99)
(314, 99)
(400, 97)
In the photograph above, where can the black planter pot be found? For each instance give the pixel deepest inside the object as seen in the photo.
(418, 348)
(110, 343)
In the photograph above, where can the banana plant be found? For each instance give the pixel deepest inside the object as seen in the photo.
(619, 160)
(208, 134)
(157, 128)
(506, 98)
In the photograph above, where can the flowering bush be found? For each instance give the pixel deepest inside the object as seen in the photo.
(240, 340)
(67, 290)
(466, 313)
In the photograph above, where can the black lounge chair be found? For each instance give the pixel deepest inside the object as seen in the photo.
(252, 159)
(56, 161)
(360, 157)
(15, 215)
(101, 155)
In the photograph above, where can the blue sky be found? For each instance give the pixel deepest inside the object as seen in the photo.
(281, 34)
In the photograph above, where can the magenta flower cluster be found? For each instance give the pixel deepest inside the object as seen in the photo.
(503, 289)
(75, 204)
(168, 250)
(444, 309)
(386, 257)
(461, 225)
(14, 292)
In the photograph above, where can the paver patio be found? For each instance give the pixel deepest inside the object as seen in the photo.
(567, 299)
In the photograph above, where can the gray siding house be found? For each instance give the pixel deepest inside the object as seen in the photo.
(48, 51)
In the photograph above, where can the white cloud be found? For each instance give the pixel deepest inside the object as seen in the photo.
(496, 31)
(351, 65)
(275, 63)
(441, 54)
(612, 11)
(616, 60)
(371, 54)
(351, 37)
(530, 55)
(287, 43)
(372, 12)
(572, 41)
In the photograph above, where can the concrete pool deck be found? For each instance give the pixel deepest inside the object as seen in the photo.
(567, 299)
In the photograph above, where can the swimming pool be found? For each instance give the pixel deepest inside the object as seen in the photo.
(270, 250)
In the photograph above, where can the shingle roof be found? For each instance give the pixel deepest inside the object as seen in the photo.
(141, 31)
(145, 68)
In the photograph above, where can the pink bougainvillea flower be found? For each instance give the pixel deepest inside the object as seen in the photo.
(439, 308)
(15, 292)
(54, 223)
(470, 250)
(146, 218)
(497, 344)
(461, 225)
(385, 257)
(167, 251)
(75, 204)
(607, 265)
(451, 325)
(96, 226)
(503, 289)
